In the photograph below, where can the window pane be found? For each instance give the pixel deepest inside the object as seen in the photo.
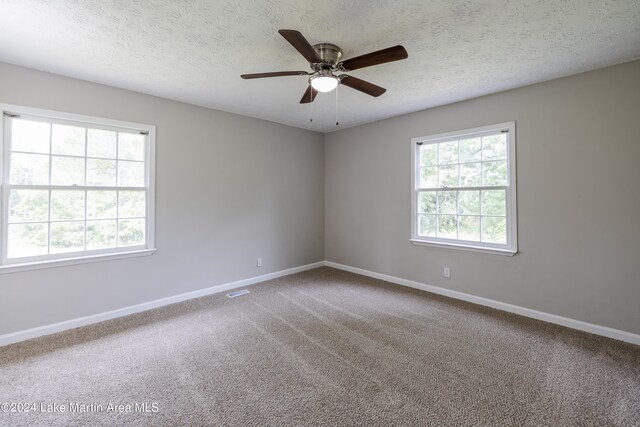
(470, 175)
(29, 169)
(101, 204)
(26, 240)
(67, 205)
(494, 147)
(427, 202)
(494, 202)
(429, 177)
(469, 202)
(427, 225)
(448, 152)
(101, 143)
(448, 226)
(130, 174)
(469, 228)
(428, 154)
(28, 205)
(447, 202)
(67, 171)
(470, 150)
(494, 173)
(494, 229)
(27, 135)
(67, 237)
(449, 176)
(101, 172)
(131, 232)
(130, 146)
(101, 234)
(67, 140)
(131, 204)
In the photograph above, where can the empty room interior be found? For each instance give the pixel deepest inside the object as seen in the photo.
(339, 213)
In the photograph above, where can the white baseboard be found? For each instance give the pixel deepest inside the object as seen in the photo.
(107, 315)
(527, 312)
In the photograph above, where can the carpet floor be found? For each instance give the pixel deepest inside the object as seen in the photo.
(323, 347)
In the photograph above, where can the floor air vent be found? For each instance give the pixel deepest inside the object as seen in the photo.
(237, 293)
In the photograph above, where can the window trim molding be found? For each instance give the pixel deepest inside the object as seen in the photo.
(93, 256)
(53, 263)
(512, 225)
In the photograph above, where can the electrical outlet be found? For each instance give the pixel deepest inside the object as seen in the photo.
(447, 273)
(259, 262)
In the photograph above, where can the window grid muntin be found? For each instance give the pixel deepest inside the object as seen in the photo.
(480, 215)
(482, 161)
(50, 221)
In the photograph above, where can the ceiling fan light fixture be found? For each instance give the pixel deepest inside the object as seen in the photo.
(324, 83)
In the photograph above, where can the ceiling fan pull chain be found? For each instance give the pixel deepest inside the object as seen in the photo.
(337, 122)
(311, 100)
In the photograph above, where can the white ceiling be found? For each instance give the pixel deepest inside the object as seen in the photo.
(195, 50)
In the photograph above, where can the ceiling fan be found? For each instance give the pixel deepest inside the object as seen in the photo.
(324, 60)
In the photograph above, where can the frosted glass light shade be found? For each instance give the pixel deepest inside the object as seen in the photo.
(324, 83)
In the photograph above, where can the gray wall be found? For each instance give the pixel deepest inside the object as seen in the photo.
(231, 188)
(578, 181)
(228, 189)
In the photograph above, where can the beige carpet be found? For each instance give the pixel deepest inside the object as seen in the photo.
(324, 347)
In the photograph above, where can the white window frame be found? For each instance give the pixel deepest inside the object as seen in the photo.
(57, 260)
(511, 247)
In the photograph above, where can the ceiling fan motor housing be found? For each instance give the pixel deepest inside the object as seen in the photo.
(330, 54)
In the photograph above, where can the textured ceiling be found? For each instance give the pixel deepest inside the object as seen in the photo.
(195, 50)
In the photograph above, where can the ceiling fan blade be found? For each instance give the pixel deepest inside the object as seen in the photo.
(274, 74)
(309, 95)
(389, 54)
(362, 86)
(301, 44)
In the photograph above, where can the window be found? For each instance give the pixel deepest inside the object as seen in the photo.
(74, 187)
(464, 189)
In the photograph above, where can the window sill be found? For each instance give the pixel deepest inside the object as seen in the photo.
(495, 251)
(37, 265)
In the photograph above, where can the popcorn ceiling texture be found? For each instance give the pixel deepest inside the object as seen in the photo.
(195, 50)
